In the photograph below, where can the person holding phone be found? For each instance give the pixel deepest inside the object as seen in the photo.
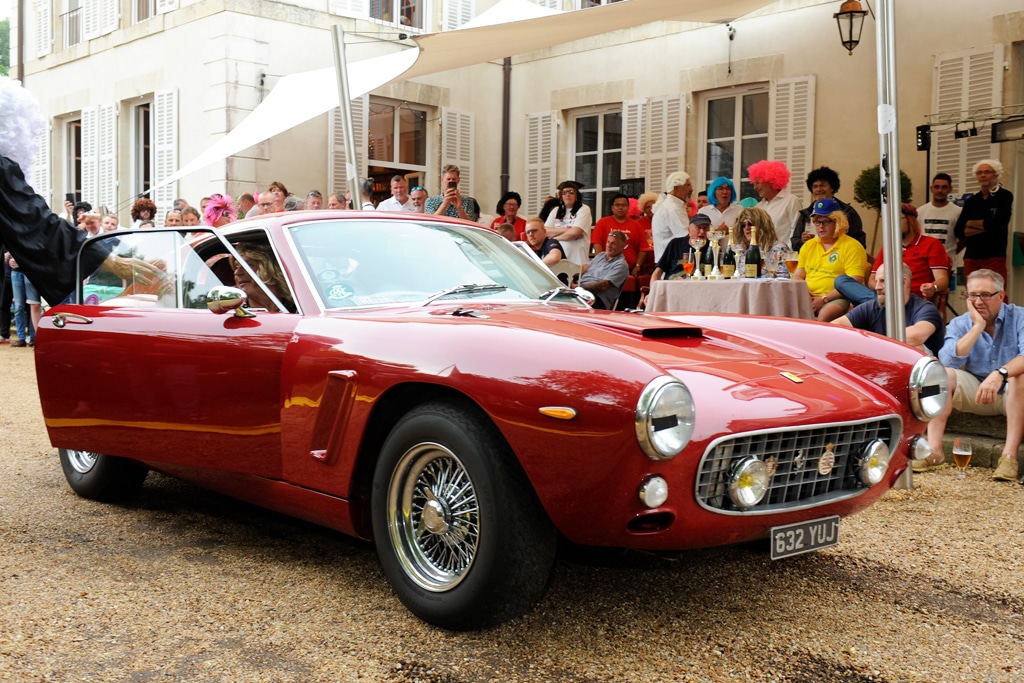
(450, 202)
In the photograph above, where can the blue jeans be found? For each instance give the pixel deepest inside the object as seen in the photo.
(23, 291)
(853, 291)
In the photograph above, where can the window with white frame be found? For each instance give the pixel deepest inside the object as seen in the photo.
(143, 10)
(584, 4)
(597, 156)
(142, 148)
(735, 131)
(397, 134)
(71, 22)
(73, 159)
(406, 13)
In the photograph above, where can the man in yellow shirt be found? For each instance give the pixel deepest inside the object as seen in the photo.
(829, 254)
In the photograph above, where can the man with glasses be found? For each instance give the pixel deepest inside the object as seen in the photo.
(418, 198)
(984, 357)
(985, 221)
(670, 265)
(547, 250)
(399, 199)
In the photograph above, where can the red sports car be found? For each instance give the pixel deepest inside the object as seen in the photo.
(426, 384)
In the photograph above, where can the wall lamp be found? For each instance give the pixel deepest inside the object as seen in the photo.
(850, 18)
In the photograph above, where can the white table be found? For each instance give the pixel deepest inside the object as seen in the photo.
(779, 298)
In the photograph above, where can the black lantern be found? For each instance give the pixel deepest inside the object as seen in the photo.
(850, 18)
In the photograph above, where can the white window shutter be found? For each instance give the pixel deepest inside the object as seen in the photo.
(791, 129)
(965, 81)
(106, 146)
(550, 4)
(164, 6)
(541, 154)
(109, 16)
(457, 146)
(90, 19)
(349, 8)
(44, 28)
(337, 173)
(666, 139)
(165, 125)
(457, 13)
(90, 155)
(40, 179)
(634, 139)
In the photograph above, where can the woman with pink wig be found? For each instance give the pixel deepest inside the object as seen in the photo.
(220, 211)
(770, 179)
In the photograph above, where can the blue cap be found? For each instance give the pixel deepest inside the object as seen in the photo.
(824, 207)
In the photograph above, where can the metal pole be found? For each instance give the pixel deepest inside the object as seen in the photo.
(888, 146)
(345, 103)
(506, 106)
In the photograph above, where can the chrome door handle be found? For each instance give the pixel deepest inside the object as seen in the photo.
(61, 319)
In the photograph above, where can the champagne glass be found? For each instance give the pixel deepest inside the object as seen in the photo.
(962, 456)
(697, 243)
(687, 263)
(771, 262)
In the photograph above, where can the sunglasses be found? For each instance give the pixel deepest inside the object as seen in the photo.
(418, 188)
(746, 224)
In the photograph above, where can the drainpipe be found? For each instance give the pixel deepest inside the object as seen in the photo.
(21, 41)
(506, 94)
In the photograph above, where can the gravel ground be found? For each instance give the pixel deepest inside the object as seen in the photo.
(184, 585)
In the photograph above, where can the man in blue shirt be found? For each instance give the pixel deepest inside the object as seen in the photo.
(607, 271)
(984, 358)
(924, 323)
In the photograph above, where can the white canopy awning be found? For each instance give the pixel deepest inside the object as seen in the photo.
(509, 28)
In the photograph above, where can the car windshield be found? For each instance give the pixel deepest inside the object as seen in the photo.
(375, 262)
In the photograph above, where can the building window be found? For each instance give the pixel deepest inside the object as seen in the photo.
(72, 22)
(396, 144)
(736, 133)
(597, 158)
(143, 10)
(73, 154)
(408, 13)
(584, 4)
(142, 148)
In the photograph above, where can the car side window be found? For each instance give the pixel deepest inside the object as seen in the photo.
(185, 277)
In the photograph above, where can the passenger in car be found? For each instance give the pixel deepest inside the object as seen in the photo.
(263, 263)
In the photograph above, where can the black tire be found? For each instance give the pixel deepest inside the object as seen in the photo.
(101, 477)
(460, 533)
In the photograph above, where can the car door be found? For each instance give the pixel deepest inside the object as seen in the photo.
(150, 373)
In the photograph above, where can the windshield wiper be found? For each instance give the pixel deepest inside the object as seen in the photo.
(465, 289)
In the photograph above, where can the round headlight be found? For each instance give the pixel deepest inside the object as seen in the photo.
(664, 418)
(873, 463)
(929, 388)
(919, 448)
(748, 483)
(654, 491)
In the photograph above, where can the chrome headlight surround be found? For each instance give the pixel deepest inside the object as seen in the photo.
(929, 388)
(873, 462)
(664, 418)
(748, 482)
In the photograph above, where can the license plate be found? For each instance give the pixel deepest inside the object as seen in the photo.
(803, 537)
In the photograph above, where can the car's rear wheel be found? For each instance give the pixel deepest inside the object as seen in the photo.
(101, 477)
(460, 533)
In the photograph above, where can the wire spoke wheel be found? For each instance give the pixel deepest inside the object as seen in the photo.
(435, 518)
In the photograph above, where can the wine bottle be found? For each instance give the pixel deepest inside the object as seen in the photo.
(752, 267)
(728, 268)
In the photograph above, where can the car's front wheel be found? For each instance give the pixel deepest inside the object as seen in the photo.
(101, 477)
(459, 531)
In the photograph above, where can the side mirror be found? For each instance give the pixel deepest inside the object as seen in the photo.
(585, 295)
(220, 300)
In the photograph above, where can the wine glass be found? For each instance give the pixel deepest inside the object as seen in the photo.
(697, 243)
(687, 263)
(771, 262)
(962, 456)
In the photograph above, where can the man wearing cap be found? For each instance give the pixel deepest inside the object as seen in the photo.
(607, 272)
(399, 199)
(830, 254)
(670, 263)
(671, 215)
(570, 222)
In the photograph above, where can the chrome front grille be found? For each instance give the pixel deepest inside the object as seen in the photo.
(796, 456)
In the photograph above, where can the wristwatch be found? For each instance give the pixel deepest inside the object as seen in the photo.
(1005, 373)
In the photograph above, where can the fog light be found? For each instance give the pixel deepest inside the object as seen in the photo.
(749, 482)
(873, 463)
(654, 492)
